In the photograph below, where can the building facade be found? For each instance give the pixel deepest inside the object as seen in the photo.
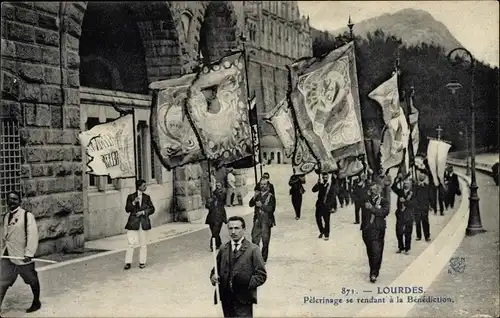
(277, 35)
(64, 66)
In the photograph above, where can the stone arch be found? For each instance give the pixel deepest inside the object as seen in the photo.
(159, 28)
(218, 30)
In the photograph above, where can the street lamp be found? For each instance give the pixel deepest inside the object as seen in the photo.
(474, 226)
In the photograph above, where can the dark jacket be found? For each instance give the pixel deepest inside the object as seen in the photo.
(405, 209)
(422, 197)
(216, 210)
(134, 221)
(359, 192)
(451, 183)
(267, 208)
(296, 184)
(244, 276)
(374, 217)
(331, 196)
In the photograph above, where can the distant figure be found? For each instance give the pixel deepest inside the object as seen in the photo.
(241, 270)
(263, 219)
(452, 187)
(20, 240)
(404, 212)
(422, 205)
(296, 183)
(140, 207)
(359, 193)
(325, 205)
(216, 214)
(231, 187)
(375, 210)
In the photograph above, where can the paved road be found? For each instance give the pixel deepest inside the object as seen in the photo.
(176, 283)
(476, 289)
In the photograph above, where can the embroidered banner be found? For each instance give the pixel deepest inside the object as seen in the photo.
(324, 96)
(282, 121)
(173, 137)
(110, 148)
(303, 161)
(387, 96)
(218, 109)
(248, 161)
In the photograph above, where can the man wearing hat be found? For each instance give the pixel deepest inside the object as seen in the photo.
(404, 212)
(422, 204)
(452, 187)
(359, 192)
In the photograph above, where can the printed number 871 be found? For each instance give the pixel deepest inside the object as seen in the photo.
(347, 291)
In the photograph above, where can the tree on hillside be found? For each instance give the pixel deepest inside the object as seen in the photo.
(427, 68)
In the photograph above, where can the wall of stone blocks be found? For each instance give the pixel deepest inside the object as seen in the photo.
(40, 85)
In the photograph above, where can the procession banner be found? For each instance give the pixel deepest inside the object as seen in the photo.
(325, 99)
(173, 136)
(282, 121)
(250, 161)
(218, 110)
(437, 155)
(396, 133)
(415, 133)
(303, 161)
(110, 148)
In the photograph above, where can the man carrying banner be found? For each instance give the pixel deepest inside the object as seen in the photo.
(376, 209)
(266, 177)
(241, 270)
(263, 219)
(325, 205)
(19, 243)
(216, 214)
(140, 206)
(404, 212)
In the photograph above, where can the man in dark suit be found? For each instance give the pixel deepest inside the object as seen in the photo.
(404, 212)
(263, 218)
(325, 205)
(296, 183)
(375, 210)
(241, 270)
(359, 192)
(422, 205)
(216, 214)
(452, 187)
(140, 207)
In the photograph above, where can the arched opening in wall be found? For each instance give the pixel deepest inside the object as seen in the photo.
(279, 157)
(111, 49)
(123, 47)
(218, 31)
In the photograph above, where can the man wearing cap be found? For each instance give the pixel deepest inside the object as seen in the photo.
(404, 212)
(373, 224)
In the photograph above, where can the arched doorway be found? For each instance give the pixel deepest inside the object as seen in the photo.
(123, 47)
(218, 36)
(279, 157)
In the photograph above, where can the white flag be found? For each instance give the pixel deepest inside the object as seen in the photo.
(437, 154)
(110, 148)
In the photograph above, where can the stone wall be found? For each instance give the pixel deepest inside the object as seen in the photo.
(40, 87)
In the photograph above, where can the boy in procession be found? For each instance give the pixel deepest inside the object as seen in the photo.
(19, 243)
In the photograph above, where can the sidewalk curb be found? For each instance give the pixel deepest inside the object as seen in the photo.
(116, 251)
(429, 264)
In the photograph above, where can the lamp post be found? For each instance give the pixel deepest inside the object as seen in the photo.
(474, 226)
(465, 135)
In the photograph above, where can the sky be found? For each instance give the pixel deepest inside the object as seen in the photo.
(474, 24)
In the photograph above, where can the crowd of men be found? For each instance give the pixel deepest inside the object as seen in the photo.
(370, 194)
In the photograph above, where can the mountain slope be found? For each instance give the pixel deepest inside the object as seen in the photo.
(412, 26)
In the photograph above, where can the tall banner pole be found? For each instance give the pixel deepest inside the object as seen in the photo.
(410, 147)
(243, 40)
(258, 134)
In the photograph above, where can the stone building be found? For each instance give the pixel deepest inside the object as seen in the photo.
(277, 35)
(64, 66)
